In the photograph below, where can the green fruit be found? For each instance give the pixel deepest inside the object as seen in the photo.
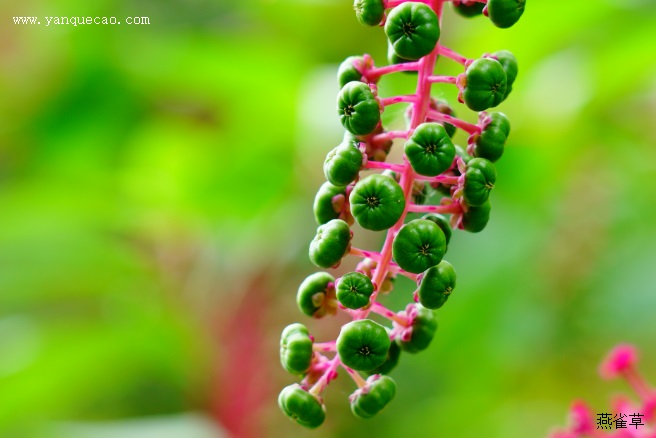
(358, 109)
(296, 349)
(475, 218)
(393, 355)
(363, 344)
(378, 392)
(301, 406)
(377, 202)
(486, 84)
(419, 245)
(343, 163)
(489, 144)
(467, 9)
(436, 285)
(316, 295)
(441, 222)
(430, 150)
(413, 29)
(347, 71)
(323, 208)
(330, 243)
(354, 290)
(509, 64)
(423, 330)
(480, 177)
(505, 13)
(369, 12)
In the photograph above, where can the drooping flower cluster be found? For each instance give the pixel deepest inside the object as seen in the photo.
(626, 419)
(433, 167)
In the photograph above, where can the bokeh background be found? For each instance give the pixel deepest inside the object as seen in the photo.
(156, 185)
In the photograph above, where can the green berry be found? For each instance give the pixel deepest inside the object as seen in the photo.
(505, 13)
(377, 202)
(419, 245)
(424, 327)
(441, 222)
(354, 290)
(296, 349)
(436, 285)
(301, 406)
(324, 208)
(393, 355)
(330, 243)
(509, 64)
(316, 295)
(429, 149)
(413, 29)
(467, 9)
(377, 393)
(363, 344)
(480, 177)
(475, 218)
(489, 144)
(358, 109)
(485, 85)
(369, 12)
(343, 163)
(348, 71)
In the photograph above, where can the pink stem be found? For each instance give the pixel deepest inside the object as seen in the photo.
(381, 165)
(324, 346)
(442, 79)
(443, 209)
(465, 126)
(442, 179)
(390, 135)
(357, 378)
(419, 111)
(326, 377)
(387, 313)
(393, 3)
(410, 98)
(376, 73)
(451, 54)
(373, 255)
(393, 267)
(638, 384)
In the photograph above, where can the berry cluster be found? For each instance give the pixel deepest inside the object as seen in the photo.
(627, 420)
(433, 167)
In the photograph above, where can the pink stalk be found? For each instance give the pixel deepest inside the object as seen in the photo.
(390, 135)
(324, 346)
(378, 308)
(373, 255)
(377, 72)
(442, 209)
(442, 79)
(357, 378)
(410, 98)
(451, 54)
(383, 165)
(393, 267)
(419, 111)
(442, 179)
(327, 376)
(637, 383)
(465, 126)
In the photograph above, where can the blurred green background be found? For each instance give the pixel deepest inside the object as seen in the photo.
(156, 185)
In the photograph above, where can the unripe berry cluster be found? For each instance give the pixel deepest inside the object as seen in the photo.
(433, 167)
(626, 419)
